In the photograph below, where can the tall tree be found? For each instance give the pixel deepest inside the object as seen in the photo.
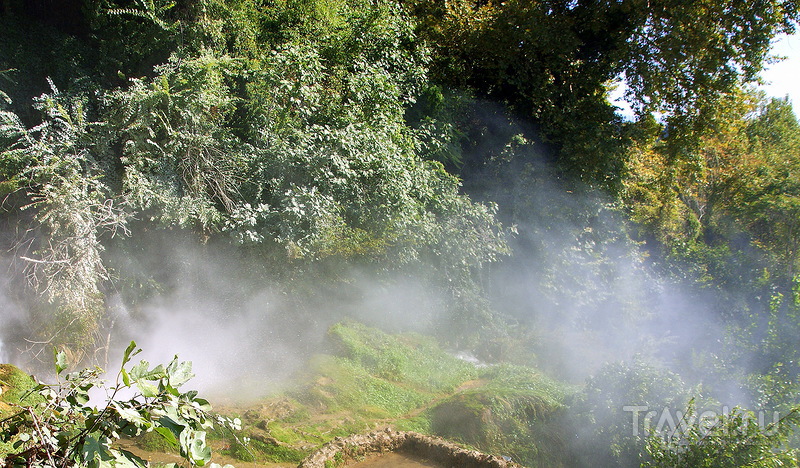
(550, 60)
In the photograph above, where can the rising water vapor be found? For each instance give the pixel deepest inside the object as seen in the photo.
(593, 293)
(12, 319)
(575, 277)
(245, 331)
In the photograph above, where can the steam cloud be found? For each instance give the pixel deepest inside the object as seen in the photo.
(574, 278)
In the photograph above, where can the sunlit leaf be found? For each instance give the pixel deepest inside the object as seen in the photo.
(179, 372)
(61, 361)
(140, 370)
(130, 351)
(193, 445)
(128, 413)
(147, 389)
(168, 435)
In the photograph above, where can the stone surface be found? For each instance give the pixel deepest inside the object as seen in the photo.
(439, 450)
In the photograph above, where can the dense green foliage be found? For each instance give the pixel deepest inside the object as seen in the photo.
(517, 412)
(730, 440)
(469, 146)
(553, 60)
(610, 431)
(60, 427)
(297, 149)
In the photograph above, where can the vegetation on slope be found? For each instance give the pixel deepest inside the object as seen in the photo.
(409, 383)
(15, 390)
(15, 387)
(317, 142)
(296, 150)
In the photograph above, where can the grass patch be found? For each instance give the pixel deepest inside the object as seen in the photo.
(518, 413)
(240, 452)
(258, 451)
(15, 386)
(408, 382)
(411, 359)
(347, 385)
(421, 424)
(283, 434)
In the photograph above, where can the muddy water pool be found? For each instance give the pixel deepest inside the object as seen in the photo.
(395, 460)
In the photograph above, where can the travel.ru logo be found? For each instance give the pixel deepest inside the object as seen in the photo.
(669, 422)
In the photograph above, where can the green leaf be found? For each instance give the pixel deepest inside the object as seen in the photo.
(130, 351)
(124, 458)
(172, 421)
(193, 444)
(202, 404)
(126, 379)
(178, 373)
(79, 398)
(61, 361)
(96, 449)
(156, 373)
(149, 390)
(139, 371)
(168, 435)
(129, 414)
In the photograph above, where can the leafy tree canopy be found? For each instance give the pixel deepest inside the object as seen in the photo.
(289, 138)
(552, 61)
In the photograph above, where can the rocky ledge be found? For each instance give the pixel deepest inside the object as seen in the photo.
(342, 450)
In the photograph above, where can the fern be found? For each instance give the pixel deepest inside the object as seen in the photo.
(148, 9)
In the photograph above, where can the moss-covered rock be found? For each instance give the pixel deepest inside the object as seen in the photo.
(518, 413)
(14, 389)
(343, 450)
(15, 386)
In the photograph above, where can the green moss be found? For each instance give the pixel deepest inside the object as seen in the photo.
(346, 385)
(338, 460)
(240, 452)
(408, 382)
(16, 388)
(421, 424)
(518, 413)
(282, 434)
(279, 447)
(155, 442)
(520, 378)
(276, 453)
(299, 414)
(411, 359)
(381, 376)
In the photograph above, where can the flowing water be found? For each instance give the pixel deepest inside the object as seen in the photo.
(395, 460)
